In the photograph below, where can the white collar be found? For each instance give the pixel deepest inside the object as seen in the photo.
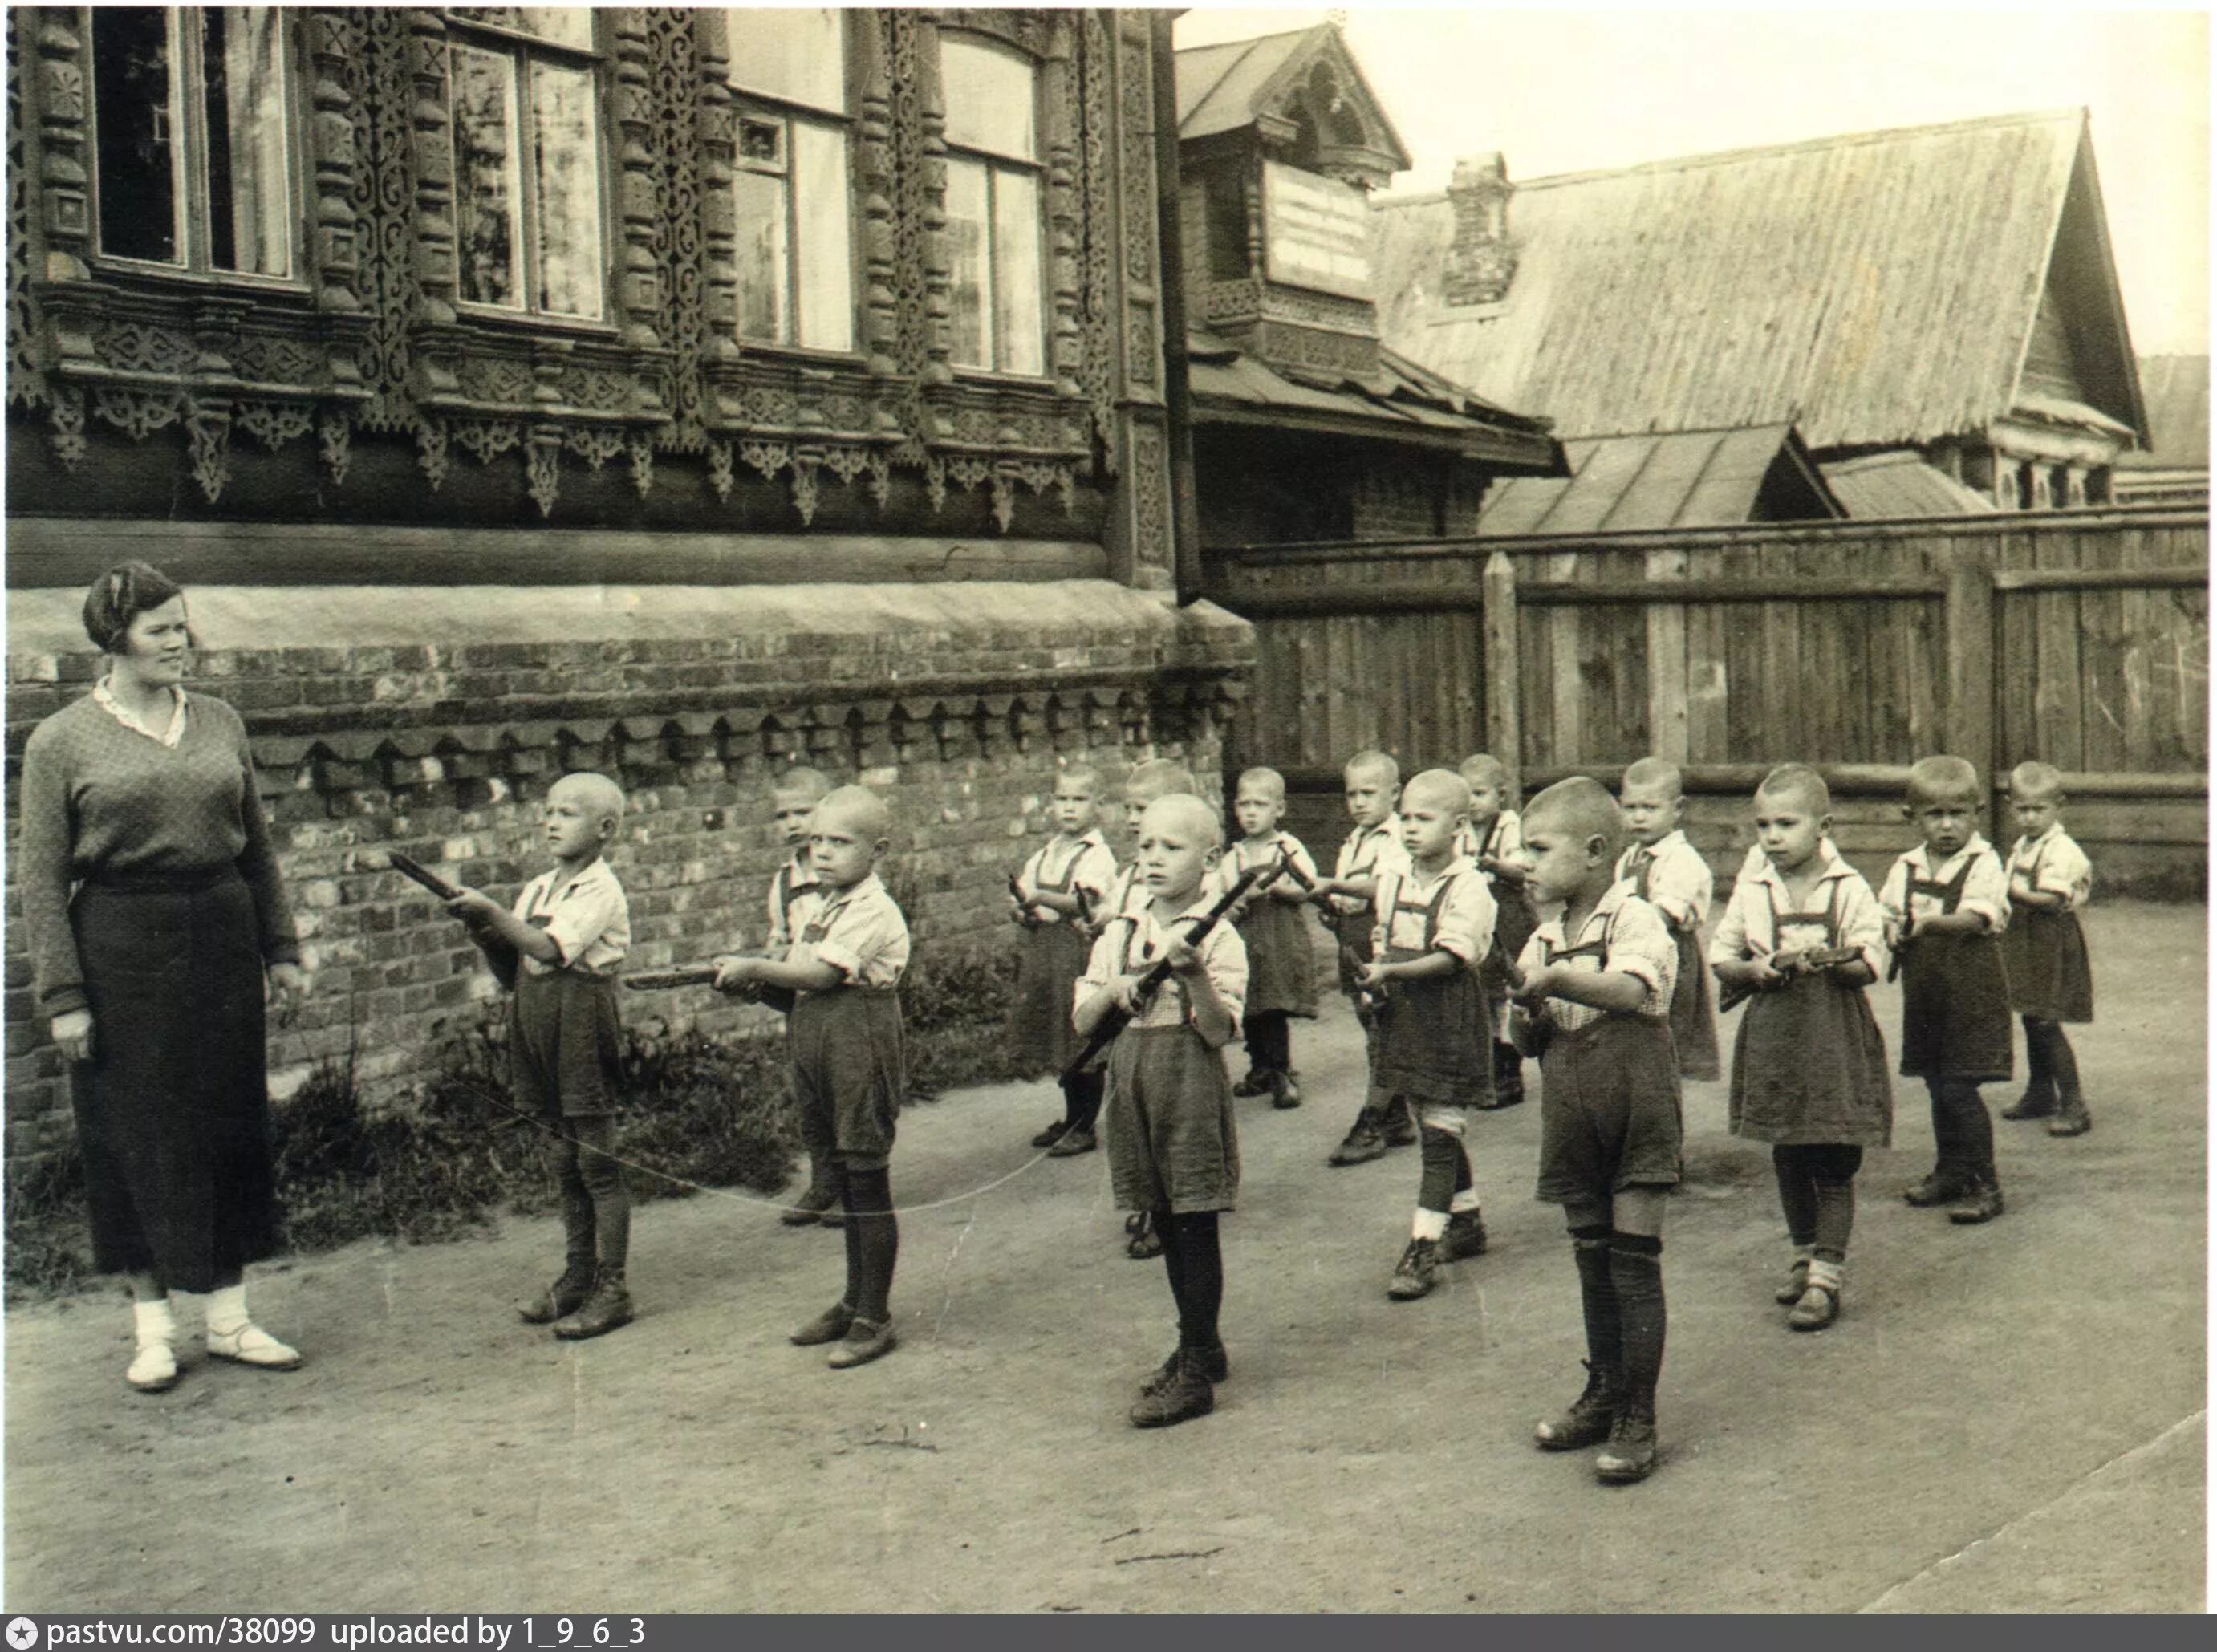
(105, 698)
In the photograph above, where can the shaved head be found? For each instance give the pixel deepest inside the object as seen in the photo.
(813, 784)
(859, 809)
(1580, 806)
(2035, 781)
(601, 797)
(1158, 777)
(1186, 814)
(1943, 779)
(1377, 763)
(1442, 788)
(1268, 781)
(1800, 783)
(1484, 768)
(1655, 774)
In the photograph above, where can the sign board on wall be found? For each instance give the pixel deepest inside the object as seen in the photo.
(1316, 231)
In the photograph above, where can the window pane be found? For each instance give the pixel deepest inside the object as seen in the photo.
(827, 273)
(758, 200)
(249, 188)
(972, 340)
(566, 158)
(139, 160)
(1016, 307)
(799, 55)
(488, 199)
(571, 26)
(989, 104)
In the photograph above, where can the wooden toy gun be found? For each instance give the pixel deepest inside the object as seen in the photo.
(499, 954)
(1807, 962)
(1024, 914)
(1117, 1018)
(1902, 937)
(702, 975)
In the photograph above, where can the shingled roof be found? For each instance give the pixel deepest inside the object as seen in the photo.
(1878, 288)
(1225, 87)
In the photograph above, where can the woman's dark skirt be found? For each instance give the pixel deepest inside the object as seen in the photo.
(173, 1110)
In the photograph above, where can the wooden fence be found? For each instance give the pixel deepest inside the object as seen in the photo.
(2080, 637)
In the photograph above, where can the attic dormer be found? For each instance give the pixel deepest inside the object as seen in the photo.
(1280, 142)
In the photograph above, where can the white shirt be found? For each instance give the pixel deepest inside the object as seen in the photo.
(1749, 926)
(2053, 864)
(1638, 944)
(1466, 916)
(1067, 863)
(1985, 891)
(586, 915)
(1368, 853)
(857, 930)
(1679, 884)
(1135, 940)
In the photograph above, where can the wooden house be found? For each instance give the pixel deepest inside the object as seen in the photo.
(2175, 470)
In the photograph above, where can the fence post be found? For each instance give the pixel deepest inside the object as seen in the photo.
(1504, 736)
(1968, 723)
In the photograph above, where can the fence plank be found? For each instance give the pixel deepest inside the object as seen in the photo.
(1504, 736)
(2102, 663)
(2050, 678)
(1669, 702)
(1969, 720)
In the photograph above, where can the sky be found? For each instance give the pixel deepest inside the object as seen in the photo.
(1563, 91)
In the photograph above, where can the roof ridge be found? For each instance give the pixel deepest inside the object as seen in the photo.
(1250, 39)
(1722, 156)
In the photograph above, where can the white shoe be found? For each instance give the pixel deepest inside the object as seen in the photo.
(153, 1368)
(250, 1345)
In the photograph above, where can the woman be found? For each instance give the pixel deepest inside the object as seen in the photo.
(153, 971)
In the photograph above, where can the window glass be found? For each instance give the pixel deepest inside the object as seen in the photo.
(988, 97)
(966, 227)
(1016, 272)
(140, 166)
(799, 55)
(566, 161)
(825, 274)
(759, 201)
(488, 197)
(249, 188)
(571, 26)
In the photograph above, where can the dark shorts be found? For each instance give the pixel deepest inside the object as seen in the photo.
(1172, 1141)
(849, 1074)
(565, 1043)
(1609, 1115)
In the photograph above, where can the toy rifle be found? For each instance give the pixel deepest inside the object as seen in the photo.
(498, 953)
(1903, 936)
(1115, 1019)
(702, 974)
(1801, 962)
(1024, 914)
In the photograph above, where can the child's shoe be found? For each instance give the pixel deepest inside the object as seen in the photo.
(1285, 1093)
(607, 1310)
(1362, 1143)
(1400, 1129)
(1418, 1272)
(809, 1207)
(1145, 1243)
(1821, 1303)
(1072, 1142)
(1630, 1454)
(153, 1368)
(1796, 1284)
(2073, 1120)
(1981, 1202)
(1052, 1134)
(1187, 1395)
(1213, 1363)
(565, 1296)
(1940, 1187)
(864, 1342)
(827, 1327)
(1465, 1236)
(1255, 1083)
(2038, 1102)
(247, 1344)
(1588, 1419)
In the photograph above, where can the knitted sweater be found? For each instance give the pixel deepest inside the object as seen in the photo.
(98, 796)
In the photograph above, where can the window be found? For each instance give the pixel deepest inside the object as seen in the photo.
(192, 137)
(795, 252)
(994, 226)
(526, 108)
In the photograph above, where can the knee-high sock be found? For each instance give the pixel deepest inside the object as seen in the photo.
(1441, 1157)
(1589, 1248)
(1836, 1219)
(1797, 1193)
(2040, 1071)
(1635, 1263)
(604, 1180)
(1081, 1099)
(580, 1254)
(1203, 1262)
(1173, 1238)
(1972, 1127)
(835, 1182)
(876, 1243)
(1946, 1129)
(2055, 1055)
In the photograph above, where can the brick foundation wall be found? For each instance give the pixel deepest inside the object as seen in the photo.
(957, 701)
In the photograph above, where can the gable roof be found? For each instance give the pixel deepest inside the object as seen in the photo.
(1684, 479)
(2178, 391)
(1879, 288)
(1897, 482)
(1223, 87)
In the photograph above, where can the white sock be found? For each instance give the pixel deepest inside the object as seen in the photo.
(153, 1322)
(1429, 1224)
(1465, 1203)
(1827, 1274)
(226, 1309)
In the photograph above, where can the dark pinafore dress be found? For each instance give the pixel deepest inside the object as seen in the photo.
(850, 1068)
(2044, 952)
(1281, 968)
(1048, 965)
(565, 1037)
(1692, 1016)
(1809, 1065)
(1173, 1141)
(1610, 1117)
(1434, 1037)
(1954, 996)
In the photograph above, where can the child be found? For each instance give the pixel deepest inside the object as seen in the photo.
(1597, 1003)
(1279, 967)
(1373, 847)
(793, 801)
(1809, 1072)
(1946, 903)
(2049, 978)
(1435, 932)
(1670, 874)
(1173, 1142)
(1063, 882)
(1493, 842)
(571, 928)
(844, 964)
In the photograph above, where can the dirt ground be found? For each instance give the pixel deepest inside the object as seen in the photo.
(2008, 1418)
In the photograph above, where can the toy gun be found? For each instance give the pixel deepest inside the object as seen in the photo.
(1023, 902)
(702, 975)
(1807, 962)
(1084, 905)
(1117, 1018)
(1372, 998)
(498, 953)
(1902, 937)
